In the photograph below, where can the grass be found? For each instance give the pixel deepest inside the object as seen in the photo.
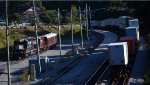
(76, 31)
(2, 38)
(25, 77)
(29, 31)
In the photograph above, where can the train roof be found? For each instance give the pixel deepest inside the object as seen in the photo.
(118, 43)
(20, 40)
(50, 35)
(131, 28)
(124, 17)
(24, 39)
(127, 38)
(134, 20)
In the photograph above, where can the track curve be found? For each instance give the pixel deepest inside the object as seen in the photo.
(80, 73)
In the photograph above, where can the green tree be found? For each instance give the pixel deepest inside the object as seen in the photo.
(65, 17)
(51, 17)
(116, 3)
(40, 5)
(75, 14)
(15, 17)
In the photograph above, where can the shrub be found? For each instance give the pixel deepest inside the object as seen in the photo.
(25, 76)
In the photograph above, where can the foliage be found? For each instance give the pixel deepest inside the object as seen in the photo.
(39, 4)
(68, 54)
(52, 15)
(15, 17)
(29, 31)
(25, 76)
(65, 17)
(75, 14)
(2, 38)
(147, 78)
(116, 2)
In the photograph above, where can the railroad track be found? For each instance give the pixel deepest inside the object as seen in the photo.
(70, 65)
(99, 73)
(66, 68)
(60, 72)
(121, 81)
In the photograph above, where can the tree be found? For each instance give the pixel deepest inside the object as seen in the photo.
(65, 17)
(52, 15)
(75, 14)
(15, 17)
(116, 3)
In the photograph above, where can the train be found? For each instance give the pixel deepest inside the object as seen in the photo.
(117, 25)
(22, 48)
(121, 22)
(123, 52)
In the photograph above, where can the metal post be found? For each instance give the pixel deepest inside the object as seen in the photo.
(81, 28)
(91, 29)
(90, 17)
(36, 34)
(7, 45)
(87, 22)
(59, 33)
(72, 34)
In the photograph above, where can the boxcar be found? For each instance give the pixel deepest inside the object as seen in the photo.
(50, 40)
(131, 44)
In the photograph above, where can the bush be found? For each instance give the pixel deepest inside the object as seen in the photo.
(147, 77)
(25, 77)
(68, 54)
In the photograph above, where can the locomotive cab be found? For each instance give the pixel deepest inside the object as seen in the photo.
(19, 48)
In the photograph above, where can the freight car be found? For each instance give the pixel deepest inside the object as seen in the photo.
(116, 25)
(122, 22)
(122, 55)
(118, 57)
(131, 44)
(27, 46)
(132, 48)
(50, 40)
(133, 32)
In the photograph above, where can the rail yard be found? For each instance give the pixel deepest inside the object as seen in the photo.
(77, 50)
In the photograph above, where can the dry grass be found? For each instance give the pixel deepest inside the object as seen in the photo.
(29, 31)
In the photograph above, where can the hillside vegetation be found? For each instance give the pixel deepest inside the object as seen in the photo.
(29, 31)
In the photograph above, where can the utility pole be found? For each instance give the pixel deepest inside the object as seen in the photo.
(90, 17)
(86, 10)
(72, 33)
(81, 28)
(59, 32)
(91, 29)
(36, 34)
(7, 45)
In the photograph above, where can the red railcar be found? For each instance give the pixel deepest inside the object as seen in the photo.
(41, 43)
(131, 44)
(50, 40)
